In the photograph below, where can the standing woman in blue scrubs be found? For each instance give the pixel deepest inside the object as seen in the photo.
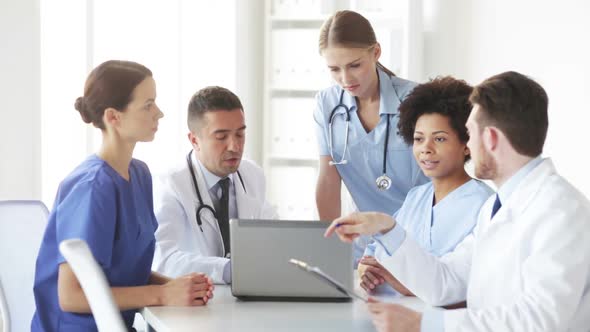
(107, 202)
(356, 122)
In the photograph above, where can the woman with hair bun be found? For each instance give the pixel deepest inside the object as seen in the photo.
(107, 202)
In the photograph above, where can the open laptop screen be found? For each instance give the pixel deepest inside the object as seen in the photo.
(261, 250)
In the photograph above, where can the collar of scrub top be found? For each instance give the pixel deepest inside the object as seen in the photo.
(389, 99)
(506, 190)
(389, 102)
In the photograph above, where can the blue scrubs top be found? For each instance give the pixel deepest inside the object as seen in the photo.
(365, 150)
(440, 228)
(115, 217)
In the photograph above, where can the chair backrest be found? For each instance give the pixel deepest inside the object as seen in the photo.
(3, 312)
(94, 283)
(22, 224)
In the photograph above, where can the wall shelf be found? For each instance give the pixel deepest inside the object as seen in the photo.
(292, 162)
(283, 93)
(292, 23)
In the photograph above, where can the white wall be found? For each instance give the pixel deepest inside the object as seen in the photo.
(547, 40)
(20, 153)
(250, 71)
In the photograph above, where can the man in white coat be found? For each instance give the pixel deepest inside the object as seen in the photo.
(194, 201)
(526, 266)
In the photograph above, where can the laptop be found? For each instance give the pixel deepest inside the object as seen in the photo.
(261, 251)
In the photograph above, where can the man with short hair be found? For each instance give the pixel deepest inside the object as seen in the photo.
(526, 266)
(194, 201)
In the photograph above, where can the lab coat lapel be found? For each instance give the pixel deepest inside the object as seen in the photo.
(248, 207)
(524, 193)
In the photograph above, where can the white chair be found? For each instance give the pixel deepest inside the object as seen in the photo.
(3, 311)
(94, 283)
(22, 224)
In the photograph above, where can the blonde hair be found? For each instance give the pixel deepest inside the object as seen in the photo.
(348, 29)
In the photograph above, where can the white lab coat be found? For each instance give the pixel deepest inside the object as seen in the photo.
(526, 270)
(181, 246)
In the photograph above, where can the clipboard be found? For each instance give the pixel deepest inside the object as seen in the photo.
(327, 279)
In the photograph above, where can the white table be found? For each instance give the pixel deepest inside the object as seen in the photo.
(226, 313)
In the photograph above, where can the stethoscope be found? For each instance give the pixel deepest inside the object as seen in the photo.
(202, 205)
(383, 182)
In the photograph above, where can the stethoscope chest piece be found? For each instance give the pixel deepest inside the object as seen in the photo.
(383, 182)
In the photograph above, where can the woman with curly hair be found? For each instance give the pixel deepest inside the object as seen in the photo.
(440, 213)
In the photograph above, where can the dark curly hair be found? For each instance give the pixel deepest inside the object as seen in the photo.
(446, 96)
